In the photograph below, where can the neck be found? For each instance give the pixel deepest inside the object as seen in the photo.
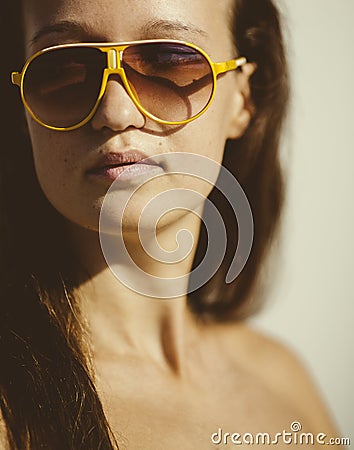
(124, 321)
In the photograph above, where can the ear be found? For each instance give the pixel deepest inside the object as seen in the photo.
(242, 107)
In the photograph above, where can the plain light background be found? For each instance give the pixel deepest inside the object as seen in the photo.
(311, 307)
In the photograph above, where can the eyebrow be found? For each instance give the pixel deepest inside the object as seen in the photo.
(153, 27)
(163, 26)
(65, 26)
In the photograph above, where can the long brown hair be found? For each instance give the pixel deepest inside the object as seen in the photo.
(48, 397)
(254, 160)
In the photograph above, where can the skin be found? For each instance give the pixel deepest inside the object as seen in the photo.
(166, 380)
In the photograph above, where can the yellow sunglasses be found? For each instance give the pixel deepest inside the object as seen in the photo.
(171, 82)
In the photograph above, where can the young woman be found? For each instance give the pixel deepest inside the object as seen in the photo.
(86, 361)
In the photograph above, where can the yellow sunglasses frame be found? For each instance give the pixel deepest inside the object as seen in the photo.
(114, 53)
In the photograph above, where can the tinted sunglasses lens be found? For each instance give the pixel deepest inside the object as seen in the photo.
(174, 82)
(61, 86)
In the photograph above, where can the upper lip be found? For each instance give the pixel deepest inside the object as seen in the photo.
(113, 159)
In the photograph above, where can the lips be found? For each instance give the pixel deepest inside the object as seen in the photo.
(122, 164)
(120, 159)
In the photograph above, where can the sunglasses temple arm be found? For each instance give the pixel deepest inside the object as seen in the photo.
(233, 64)
(16, 78)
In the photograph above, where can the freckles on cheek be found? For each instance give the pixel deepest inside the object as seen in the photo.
(51, 156)
(47, 166)
(52, 168)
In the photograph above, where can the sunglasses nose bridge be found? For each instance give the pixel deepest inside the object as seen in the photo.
(113, 59)
(114, 67)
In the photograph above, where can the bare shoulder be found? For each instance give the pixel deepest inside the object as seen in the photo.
(281, 370)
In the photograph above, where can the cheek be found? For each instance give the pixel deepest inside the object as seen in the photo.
(207, 135)
(51, 159)
(59, 164)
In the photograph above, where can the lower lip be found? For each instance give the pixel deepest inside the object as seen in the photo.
(130, 173)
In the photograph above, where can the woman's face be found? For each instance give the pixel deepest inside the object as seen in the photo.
(63, 159)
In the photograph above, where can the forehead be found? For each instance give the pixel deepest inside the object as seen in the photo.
(204, 22)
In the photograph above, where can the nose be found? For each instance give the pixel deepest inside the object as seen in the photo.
(117, 110)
